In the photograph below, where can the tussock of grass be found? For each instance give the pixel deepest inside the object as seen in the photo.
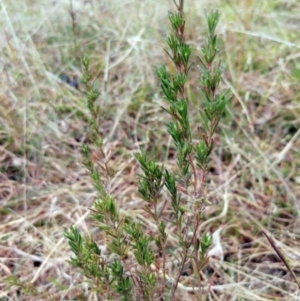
(254, 179)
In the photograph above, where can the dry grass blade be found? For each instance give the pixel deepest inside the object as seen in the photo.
(282, 258)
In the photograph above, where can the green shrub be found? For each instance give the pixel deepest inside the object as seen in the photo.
(137, 266)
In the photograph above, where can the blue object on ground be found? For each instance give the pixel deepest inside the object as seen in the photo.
(73, 83)
(65, 78)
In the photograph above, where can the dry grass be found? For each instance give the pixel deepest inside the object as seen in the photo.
(254, 181)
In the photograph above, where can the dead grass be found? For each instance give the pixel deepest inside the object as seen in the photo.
(254, 181)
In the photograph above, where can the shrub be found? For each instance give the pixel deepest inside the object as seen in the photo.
(138, 264)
